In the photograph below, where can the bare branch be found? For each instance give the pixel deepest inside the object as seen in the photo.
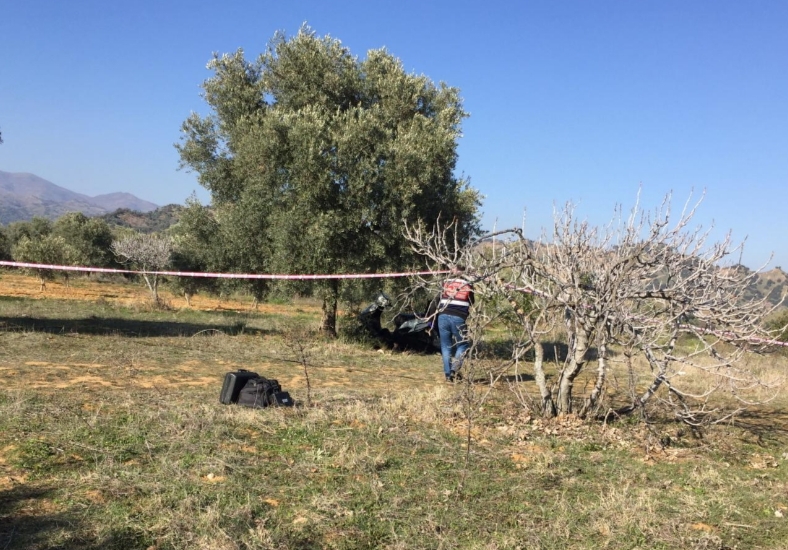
(645, 283)
(147, 253)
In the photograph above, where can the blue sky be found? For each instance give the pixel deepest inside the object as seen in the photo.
(575, 100)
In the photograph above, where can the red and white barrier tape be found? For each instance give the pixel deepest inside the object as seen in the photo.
(219, 275)
(295, 277)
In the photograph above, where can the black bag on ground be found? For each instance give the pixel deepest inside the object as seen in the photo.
(263, 392)
(233, 382)
(282, 399)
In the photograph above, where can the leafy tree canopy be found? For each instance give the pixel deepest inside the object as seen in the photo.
(5, 245)
(89, 238)
(43, 248)
(315, 159)
(33, 229)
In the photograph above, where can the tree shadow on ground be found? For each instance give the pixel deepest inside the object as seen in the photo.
(506, 379)
(554, 352)
(20, 527)
(767, 425)
(26, 524)
(517, 378)
(109, 326)
(761, 426)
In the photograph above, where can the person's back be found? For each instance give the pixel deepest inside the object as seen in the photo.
(453, 309)
(456, 297)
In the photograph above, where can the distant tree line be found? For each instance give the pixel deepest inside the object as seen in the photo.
(73, 239)
(77, 240)
(155, 221)
(190, 244)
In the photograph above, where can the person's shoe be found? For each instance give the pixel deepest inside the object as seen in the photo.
(456, 376)
(450, 378)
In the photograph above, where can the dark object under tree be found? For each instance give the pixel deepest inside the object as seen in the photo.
(411, 330)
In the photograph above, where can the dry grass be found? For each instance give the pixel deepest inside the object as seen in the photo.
(134, 296)
(111, 436)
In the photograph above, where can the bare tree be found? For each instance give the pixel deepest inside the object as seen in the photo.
(148, 254)
(647, 290)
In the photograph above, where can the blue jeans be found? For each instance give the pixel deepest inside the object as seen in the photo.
(454, 342)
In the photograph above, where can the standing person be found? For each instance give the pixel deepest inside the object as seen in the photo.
(453, 309)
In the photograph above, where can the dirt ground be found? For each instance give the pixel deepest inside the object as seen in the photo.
(121, 366)
(111, 366)
(16, 284)
(332, 365)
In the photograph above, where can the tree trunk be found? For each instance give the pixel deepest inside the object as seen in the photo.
(328, 325)
(567, 377)
(259, 290)
(601, 375)
(153, 285)
(661, 368)
(548, 406)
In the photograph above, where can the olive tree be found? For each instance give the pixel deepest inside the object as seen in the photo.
(5, 245)
(90, 239)
(315, 159)
(196, 248)
(43, 249)
(645, 291)
(32, 229)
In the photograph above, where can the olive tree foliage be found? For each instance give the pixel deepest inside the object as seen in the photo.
(34, 242)
(73, 239)
(315, 159)
(644, 293)
(5, 245)
(196, 249)
(147, 253)
(33, 229)
(89, 238)
(201, 243)
(43, 249)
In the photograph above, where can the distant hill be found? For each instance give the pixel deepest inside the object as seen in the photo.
(772, 285)
(145, 222)
(24, 196)
(114, 201)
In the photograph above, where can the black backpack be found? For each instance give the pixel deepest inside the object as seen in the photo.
(233, 383)
(260, 392)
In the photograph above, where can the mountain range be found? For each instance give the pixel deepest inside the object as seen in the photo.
(23, 196)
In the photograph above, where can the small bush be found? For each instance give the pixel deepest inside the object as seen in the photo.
(779, 325)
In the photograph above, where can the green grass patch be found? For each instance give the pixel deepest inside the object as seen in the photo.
(112, 437)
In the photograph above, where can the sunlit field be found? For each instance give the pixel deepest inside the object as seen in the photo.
(112, 436)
